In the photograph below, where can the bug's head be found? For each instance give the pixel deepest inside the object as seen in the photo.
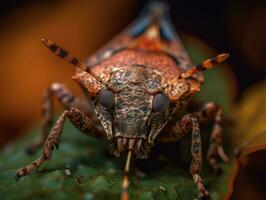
(132, 108)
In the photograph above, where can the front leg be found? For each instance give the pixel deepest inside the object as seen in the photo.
(181, 128)
(78, 118)
(51, 142)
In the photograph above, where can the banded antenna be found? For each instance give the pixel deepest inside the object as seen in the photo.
(207, 64)
(68, 57)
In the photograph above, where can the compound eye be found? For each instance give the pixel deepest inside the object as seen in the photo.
(160, 102)
(107, 98)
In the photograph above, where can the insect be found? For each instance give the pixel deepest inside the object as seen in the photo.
(136, 87)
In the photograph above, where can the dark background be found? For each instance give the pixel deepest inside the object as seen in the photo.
(234, 26)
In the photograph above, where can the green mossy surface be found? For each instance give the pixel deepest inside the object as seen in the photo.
(97, 175)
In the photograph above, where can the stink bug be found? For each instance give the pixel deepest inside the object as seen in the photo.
(136, 86)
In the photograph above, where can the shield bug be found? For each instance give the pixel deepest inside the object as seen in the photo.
(136, 86)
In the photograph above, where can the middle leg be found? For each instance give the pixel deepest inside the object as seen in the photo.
(66, 99)
(211, 112)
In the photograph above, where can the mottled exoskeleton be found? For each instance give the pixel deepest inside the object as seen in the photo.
(136, 85)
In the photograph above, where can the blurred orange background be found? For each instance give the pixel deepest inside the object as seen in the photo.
(27, 67)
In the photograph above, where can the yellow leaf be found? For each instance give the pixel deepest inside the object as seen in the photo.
(250, 133)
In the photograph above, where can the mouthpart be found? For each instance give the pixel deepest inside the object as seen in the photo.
(139, 146)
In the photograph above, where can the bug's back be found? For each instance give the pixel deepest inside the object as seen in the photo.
(149, 41)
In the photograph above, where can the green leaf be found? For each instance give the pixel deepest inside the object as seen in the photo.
(81, 168)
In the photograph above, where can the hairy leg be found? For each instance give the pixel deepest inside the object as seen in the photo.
(78, 118)
(66, 98)
(208, 113)
(51, 142)
(181, 128)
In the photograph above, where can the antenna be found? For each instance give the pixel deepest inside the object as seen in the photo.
(207, 64)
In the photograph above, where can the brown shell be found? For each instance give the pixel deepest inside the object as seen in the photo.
(150, 49)
(156, 61)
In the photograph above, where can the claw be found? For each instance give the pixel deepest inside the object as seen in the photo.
(18, 176)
